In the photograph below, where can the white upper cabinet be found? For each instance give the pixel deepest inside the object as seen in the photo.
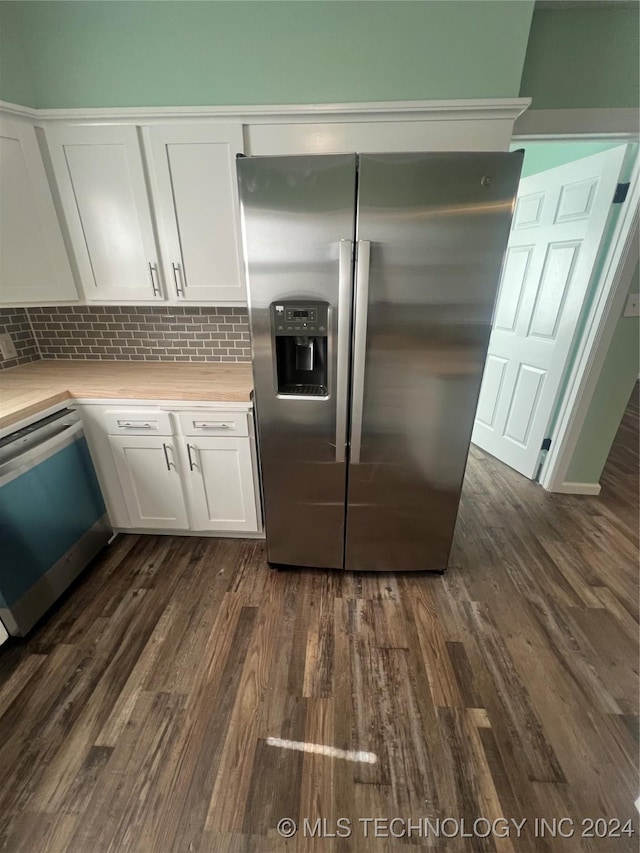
(101, 180)
(34, 265)
(193, 180)
(149, 209)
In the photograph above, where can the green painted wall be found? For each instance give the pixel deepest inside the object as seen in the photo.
(539, 156)
(153, 53)
(612, 393)
(583, 57)
(102, 54)
(15, 77)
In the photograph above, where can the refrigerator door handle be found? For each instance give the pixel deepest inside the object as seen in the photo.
(359, 345)
(345, 252)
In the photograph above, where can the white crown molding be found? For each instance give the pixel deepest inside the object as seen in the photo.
(624, 123)
(449, 110)
(17, 111)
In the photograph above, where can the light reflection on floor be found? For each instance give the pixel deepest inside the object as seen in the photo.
(322, 749)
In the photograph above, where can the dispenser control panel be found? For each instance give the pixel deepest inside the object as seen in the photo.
(297, 315)
(300, 318)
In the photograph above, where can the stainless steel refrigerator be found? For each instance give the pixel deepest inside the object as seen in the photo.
(372, 280)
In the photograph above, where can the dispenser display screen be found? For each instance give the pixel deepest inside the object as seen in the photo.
(301, 315)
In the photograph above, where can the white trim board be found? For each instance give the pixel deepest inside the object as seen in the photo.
(594, 123)
(211, 534)
(578, 489)
(446, 110)
(172, 405)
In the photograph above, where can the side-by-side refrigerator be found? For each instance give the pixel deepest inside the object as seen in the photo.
(372, 280)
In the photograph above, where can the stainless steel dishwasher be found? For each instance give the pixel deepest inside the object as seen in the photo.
(53, 519)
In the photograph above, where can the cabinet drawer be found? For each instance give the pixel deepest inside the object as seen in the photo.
(219, 423)
(137, 422)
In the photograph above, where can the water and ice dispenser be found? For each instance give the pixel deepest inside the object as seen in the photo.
(300, 330)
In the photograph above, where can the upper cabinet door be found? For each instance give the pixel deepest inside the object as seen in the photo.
(102, 185)
(192, 170)
(34, 266)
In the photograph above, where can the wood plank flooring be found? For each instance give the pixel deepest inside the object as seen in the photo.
(165, 704)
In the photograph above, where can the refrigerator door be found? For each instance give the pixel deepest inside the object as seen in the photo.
(432, 230)
(298, 220)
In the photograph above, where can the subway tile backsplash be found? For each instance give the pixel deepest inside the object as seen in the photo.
(16, 322)
(129, 333)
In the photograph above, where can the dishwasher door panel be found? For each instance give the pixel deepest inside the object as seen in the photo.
(46, 511)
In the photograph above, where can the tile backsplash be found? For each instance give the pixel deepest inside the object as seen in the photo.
(128, 333)
(16, 322)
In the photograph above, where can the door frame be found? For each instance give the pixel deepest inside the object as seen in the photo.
(599, 324)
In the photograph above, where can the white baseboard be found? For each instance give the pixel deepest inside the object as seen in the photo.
(578, 489)
(210, 534)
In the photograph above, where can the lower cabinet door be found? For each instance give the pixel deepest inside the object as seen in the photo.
(150, 480)
(220, 484)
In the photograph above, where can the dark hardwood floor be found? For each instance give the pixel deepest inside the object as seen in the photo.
(138, 716)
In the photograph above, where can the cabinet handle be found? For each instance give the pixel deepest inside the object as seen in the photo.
(166, 456)
(177, 271)
(129, 425)
(153, 272)
(192, 464)
(212, 425)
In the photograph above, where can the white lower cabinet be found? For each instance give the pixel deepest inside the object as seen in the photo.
(162, 469)
(150, 480)
(219, 484)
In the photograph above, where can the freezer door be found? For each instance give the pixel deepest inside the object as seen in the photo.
(298, 219)
(432, 230)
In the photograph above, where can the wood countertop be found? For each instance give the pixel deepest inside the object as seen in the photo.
(31, 388)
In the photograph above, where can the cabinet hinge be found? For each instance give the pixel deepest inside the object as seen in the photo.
(620, 194)
(546, 444)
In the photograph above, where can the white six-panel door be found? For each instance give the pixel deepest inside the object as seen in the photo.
(558, 226)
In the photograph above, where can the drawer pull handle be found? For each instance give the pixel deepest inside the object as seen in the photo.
(212, 425)
(135, 425)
